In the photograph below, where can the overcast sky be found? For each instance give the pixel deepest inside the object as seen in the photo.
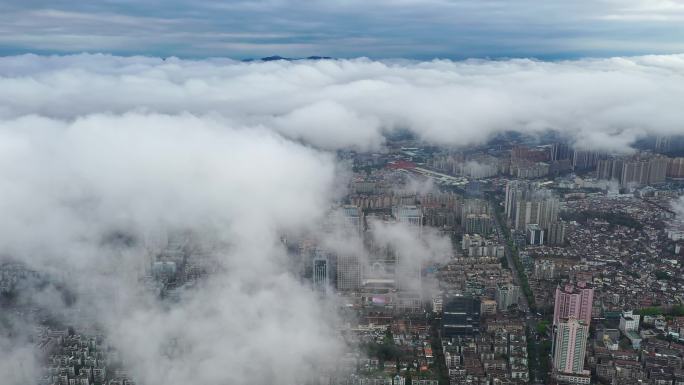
(419, 29)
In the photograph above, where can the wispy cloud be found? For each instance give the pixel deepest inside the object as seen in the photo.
(410, 28)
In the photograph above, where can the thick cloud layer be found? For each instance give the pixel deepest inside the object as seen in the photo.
(70, 190)
(604, 103)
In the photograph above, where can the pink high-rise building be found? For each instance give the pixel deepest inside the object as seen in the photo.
(573, 301)
(570, 346)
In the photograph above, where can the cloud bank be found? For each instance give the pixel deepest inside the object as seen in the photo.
(70, 190)
(597, 103)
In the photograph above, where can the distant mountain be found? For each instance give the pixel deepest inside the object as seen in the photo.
(277, 57)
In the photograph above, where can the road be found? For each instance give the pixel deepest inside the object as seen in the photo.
(531, 319)
(523, 303)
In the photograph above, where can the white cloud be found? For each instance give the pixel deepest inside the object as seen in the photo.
(350, 103)
(66, 187)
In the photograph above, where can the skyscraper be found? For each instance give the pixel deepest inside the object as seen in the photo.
(461, 317)
(539, 211)
(570, 345)
(516, 191)
(352, 218)
(408, 267)
(526, 205)
(478, 224)
(535, 234)
(348, 272)
(555, 234)
(321, 278)
(410, 215)
(573, 301)
(635, 170)
(560, 151)
(675, 168)
(571, 318)
(582, 160)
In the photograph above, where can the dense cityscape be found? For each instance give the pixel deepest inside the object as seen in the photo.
(530, 263)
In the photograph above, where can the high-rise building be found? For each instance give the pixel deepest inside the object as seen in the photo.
(663, 143)
(555, 234)
(609, 168)
(408, 267)
(321, 276)
(164, 270)
(675, 168)
(527, 170)
(478, 224)
(507, 295)
(573, 301)
(526, 212)
(570, 346)
(535, 234)
(635, 170)
(669, 143)
(409, 215)
(548, 212)
(482, 167)
(531, 154)
(542, 212)
(352, 218)
(461, 317)
(471, 240)
(474, 245)
(646, 171)
(516, 191)
(584, 160)
(560, 151)
(348, 272)
(474, 206)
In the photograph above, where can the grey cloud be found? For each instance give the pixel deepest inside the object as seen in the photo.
(18, 363)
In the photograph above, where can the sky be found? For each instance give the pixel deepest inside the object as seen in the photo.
(417, 29)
